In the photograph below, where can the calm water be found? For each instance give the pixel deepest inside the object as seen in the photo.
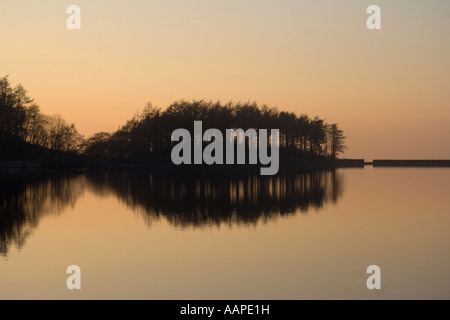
(147, 236)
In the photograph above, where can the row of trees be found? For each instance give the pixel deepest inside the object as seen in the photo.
(20, 116)
(148, 134)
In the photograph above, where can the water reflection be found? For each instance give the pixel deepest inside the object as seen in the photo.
(199, 201)
(185, 201)
(24, 199)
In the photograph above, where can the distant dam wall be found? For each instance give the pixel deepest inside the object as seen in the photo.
(411, 163)
(343, 163)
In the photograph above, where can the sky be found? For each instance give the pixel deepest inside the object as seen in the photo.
(388, 89)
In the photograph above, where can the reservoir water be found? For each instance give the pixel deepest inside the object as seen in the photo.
(137, 234)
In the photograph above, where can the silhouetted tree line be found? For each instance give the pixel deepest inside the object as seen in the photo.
(21, 117)
(148, 134)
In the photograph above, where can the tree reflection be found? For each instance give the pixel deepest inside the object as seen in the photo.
(183, 200)
(25, 199)
(204, 200)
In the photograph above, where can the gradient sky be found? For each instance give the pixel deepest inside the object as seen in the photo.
(388, 89)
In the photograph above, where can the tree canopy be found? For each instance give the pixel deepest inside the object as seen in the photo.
(21, 116)
(148, 134)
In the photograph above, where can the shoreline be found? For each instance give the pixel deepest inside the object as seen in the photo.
(286, 164)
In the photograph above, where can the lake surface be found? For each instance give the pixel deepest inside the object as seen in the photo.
(142, 235)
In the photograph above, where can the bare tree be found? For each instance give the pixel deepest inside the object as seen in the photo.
(61, 136)
(336, 140)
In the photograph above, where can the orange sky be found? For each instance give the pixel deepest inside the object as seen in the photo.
(388, 89)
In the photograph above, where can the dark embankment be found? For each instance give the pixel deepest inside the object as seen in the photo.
(16, 153)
